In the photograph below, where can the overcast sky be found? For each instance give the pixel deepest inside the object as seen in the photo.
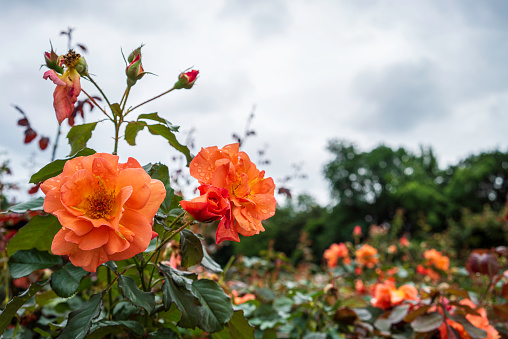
(402, 73)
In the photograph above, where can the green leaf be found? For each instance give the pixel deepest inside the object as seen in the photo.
(65, 281)
(104, 328)
(427, 322)
(56, 167)
(209, 263)
(38, 233)
(111, 265)
(161, 172)
(80, 320)
(131, 292)
(167, 134)
(191, 248)
(15, 304)
(163, 333)
(216, 305)
(34, 205)
(473, 331)
(177, 289)
(115, 108)
(131, 131)
(398, 313)
(79, 135)
(24, 262)
(239, 327)
(156, 117)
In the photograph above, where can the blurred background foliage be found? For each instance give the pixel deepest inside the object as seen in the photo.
(405, 193)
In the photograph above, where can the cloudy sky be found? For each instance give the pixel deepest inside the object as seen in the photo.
(402, 73)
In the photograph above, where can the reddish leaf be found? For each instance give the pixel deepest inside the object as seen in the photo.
(43, 143)
(83, 48)
(501, 311)
(416, 313)
(23, 122)
(30, 135)
(34, 189)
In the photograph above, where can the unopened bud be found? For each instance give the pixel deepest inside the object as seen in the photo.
(82, 67)
(186, 80)
(52, 61)
(135, 70)
(133, 54)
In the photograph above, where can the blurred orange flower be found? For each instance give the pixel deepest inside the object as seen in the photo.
(251, 194)
(481, 321)
(240, 300)
(392, 249)
(367, 256)
(105, 208)
(404, 242)
(386, 295)
(437, 259)
(335, 252)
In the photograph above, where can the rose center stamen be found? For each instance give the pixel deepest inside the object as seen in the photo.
(100, 204)
(71, 59)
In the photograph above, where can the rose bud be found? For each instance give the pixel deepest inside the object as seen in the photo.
(134, 54)
(134, 71)
(211, 205)
(186, 80)
(52, 61)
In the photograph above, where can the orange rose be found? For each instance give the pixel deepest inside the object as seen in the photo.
(335, 252)
(480, 321)
(105, 208)
(437, 259)
(240, 300)
(386, 295)
(251, 195)
(367, 256)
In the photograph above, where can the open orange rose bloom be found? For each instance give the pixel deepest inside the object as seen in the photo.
(105, 208)
(251, 194)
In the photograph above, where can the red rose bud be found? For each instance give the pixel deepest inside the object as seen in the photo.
(30, 135)
(134, 54)
(43, 143)
(52, 61)
(483, 263)
(186, 80)
(134, 71)
(212, 205)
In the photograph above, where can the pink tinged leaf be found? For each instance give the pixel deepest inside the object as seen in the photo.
(51, 74)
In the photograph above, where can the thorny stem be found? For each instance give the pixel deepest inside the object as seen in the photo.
(118, 275)
(110, 298)
(153, 270)
(226, 268)
(175, 232)
(119, 118)
(100, 90)
(147, 101)
(96, 104)
(58, 132)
